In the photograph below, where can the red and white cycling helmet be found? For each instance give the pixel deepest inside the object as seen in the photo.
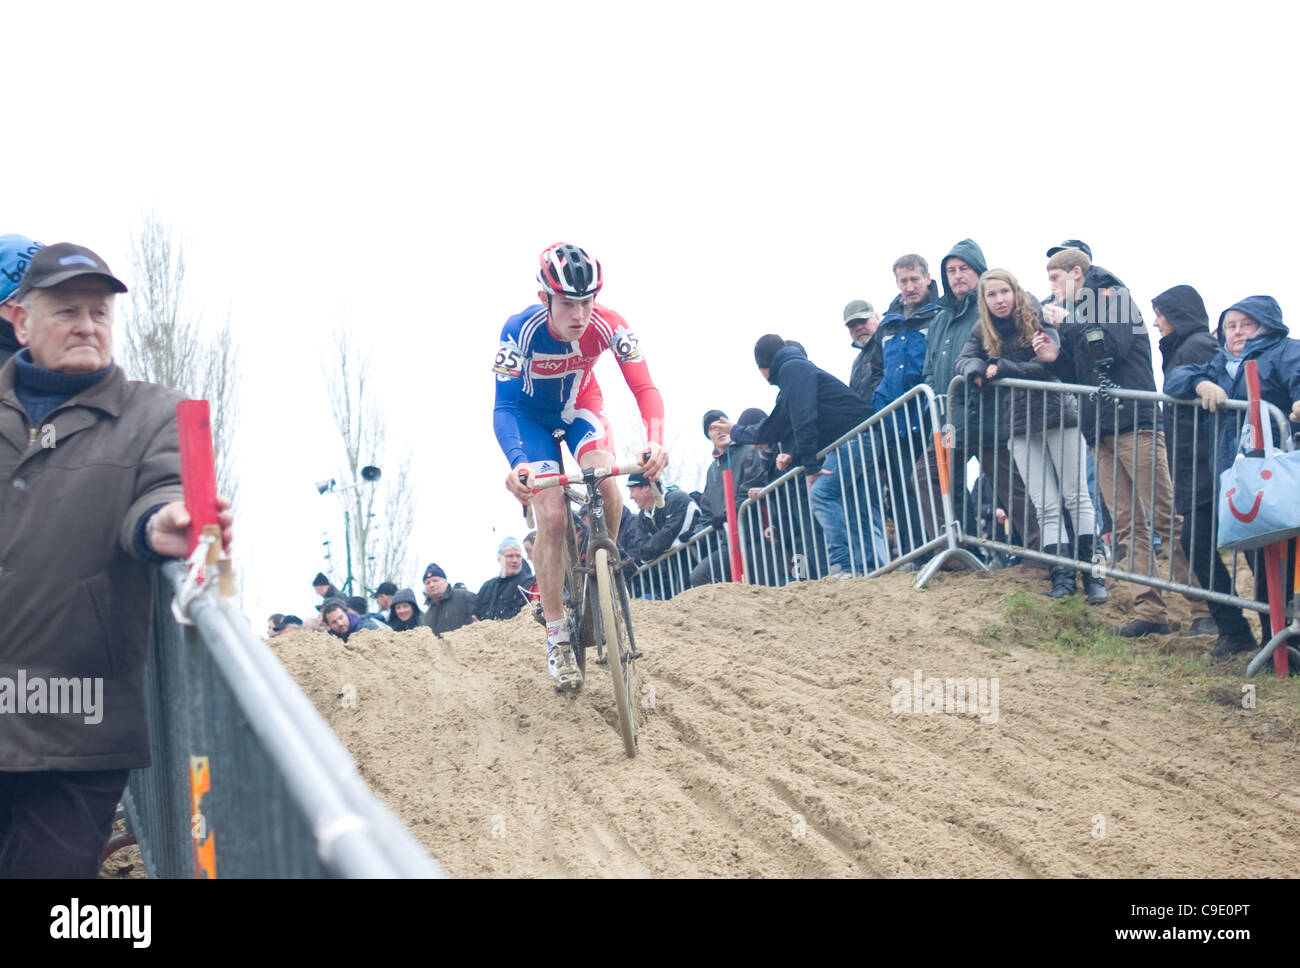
(567, 270)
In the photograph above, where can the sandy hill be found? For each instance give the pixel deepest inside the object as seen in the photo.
(771, 744)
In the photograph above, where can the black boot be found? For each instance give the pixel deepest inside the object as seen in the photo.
(1062, 575)
(1094, 588)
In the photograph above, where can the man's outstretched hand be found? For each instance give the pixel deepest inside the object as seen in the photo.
(167, 532)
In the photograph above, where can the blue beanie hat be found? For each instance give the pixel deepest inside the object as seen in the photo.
(435, 571)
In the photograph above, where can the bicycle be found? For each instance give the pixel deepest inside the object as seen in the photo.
(606, 624)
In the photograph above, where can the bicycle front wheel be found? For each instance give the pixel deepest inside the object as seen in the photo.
(618, 648)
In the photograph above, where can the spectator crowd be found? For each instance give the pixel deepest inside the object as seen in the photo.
(1068, 478)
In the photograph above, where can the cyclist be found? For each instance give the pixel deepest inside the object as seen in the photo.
(544, 384)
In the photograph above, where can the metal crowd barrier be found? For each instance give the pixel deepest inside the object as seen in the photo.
(1140, 461)
(670, 573)
(893, 511)
(247, 780)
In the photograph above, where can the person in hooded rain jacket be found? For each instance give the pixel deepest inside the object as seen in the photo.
(408, 616)
(1251, 329)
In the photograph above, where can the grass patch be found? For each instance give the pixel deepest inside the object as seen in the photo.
(1062, 624)
(1067, 626)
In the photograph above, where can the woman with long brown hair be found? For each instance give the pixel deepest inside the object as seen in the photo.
(1043, 426)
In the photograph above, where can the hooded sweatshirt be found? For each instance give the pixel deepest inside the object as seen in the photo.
(396, 624)
(812, 411)
(1277, 357)
(949, 332)
(1190, 344)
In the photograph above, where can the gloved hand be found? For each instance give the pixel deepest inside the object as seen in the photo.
(1211, 395)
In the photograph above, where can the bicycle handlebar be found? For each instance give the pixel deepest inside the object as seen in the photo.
(600, 473)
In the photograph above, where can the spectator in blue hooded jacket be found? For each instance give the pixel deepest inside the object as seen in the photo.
(1251, 329)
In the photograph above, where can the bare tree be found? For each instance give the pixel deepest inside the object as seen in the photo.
(377, 548)
(165, 342)
(394, 557)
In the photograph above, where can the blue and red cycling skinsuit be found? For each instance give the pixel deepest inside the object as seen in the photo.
(545, 383)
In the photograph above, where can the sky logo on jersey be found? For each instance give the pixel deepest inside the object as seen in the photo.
(558, 365)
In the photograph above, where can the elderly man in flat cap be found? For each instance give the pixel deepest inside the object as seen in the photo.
(90, 501)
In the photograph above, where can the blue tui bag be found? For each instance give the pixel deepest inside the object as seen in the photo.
(1259, 497)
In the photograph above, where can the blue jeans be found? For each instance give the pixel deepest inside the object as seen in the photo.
(830, 495)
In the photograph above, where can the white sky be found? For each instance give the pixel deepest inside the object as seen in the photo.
(738, 168)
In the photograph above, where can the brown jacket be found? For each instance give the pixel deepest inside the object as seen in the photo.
(75, 600)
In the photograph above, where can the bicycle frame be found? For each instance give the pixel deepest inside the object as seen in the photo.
(603, 613)
(586, 614)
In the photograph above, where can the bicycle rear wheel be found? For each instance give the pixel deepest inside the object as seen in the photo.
(618, 647)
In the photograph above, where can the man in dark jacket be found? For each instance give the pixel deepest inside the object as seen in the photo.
(655, 530)
(811, 412)
(862, 320)
(90, 501)
(500, 597)
(748, 469)
(446, 608)
(1185, 339)
(974, 419)
(1251, 329)
(1104, 343)
(16, 252)
(898, 364)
